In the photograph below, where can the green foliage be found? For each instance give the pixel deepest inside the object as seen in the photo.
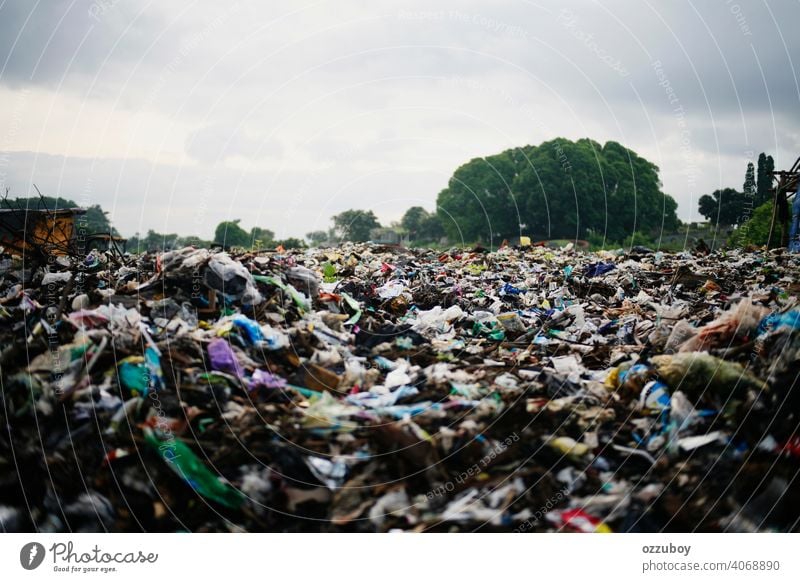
(291, 243)
(728, 207)
(421, 225)
(317, 237)
(261, 237)
(558, 189)
(764, 179)
(154, 241)
(756, 230)
(722, 207)
(638, 238)
(412, 221)
(598, 241)
(355, 225)
(328, 272)
(749, 186)
(431, 228)
(96, 219)
(193, 241)
(230, 234)
(98, 222)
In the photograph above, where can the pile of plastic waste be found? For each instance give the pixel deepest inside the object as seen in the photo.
(368, 388)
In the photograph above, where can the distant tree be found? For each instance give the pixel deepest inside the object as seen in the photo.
(413, 220)
(154, 242)
(722, 207)
(749, 186)
(134, 244)
(558, 189)
(194, 241)
(764, 179)
(158, 242)
(317, 237)
(36, 203)
(261, 237)
(431, 228)
(708, 207)
(355, 225)
(727, 206)
(422, 225)
(230, 234)
(291, 243)
(95, 220)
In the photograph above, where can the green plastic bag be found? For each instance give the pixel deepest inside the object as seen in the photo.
(182, 460)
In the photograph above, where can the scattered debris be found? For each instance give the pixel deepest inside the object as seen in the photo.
(372, 388)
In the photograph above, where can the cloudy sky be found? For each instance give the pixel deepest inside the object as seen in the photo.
(176, 115)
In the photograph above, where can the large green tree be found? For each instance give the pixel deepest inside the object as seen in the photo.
(749, 186)
(558, 189)
(422, 225)
(261, 237)
(431, 229)
(412, 221)
(317, 237)
(764, 179)
(230, 234)
(355, 225)
(723, 207)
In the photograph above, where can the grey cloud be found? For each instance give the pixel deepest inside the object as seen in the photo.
(216, 143)
(41, 42)
(331, 81)
(142, 195)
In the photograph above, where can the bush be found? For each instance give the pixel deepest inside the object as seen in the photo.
(638, 238)
(756, 230)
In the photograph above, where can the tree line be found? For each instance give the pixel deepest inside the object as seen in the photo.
(729, 207)
(559, 189)
(745, 214)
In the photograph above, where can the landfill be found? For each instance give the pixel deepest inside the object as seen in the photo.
(368, 388)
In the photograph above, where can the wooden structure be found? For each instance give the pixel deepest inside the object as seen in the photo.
(788, 181)
(38, 231)
(41, 232)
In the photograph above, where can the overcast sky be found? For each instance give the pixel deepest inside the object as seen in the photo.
(177, 115)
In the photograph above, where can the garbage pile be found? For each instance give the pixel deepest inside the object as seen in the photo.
(368, 388)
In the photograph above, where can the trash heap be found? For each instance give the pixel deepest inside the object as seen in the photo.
(367, 388)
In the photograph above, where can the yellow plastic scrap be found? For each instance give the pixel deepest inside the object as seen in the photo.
(224, 329)
(602, 528)
(569, 447)
(612, 380)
